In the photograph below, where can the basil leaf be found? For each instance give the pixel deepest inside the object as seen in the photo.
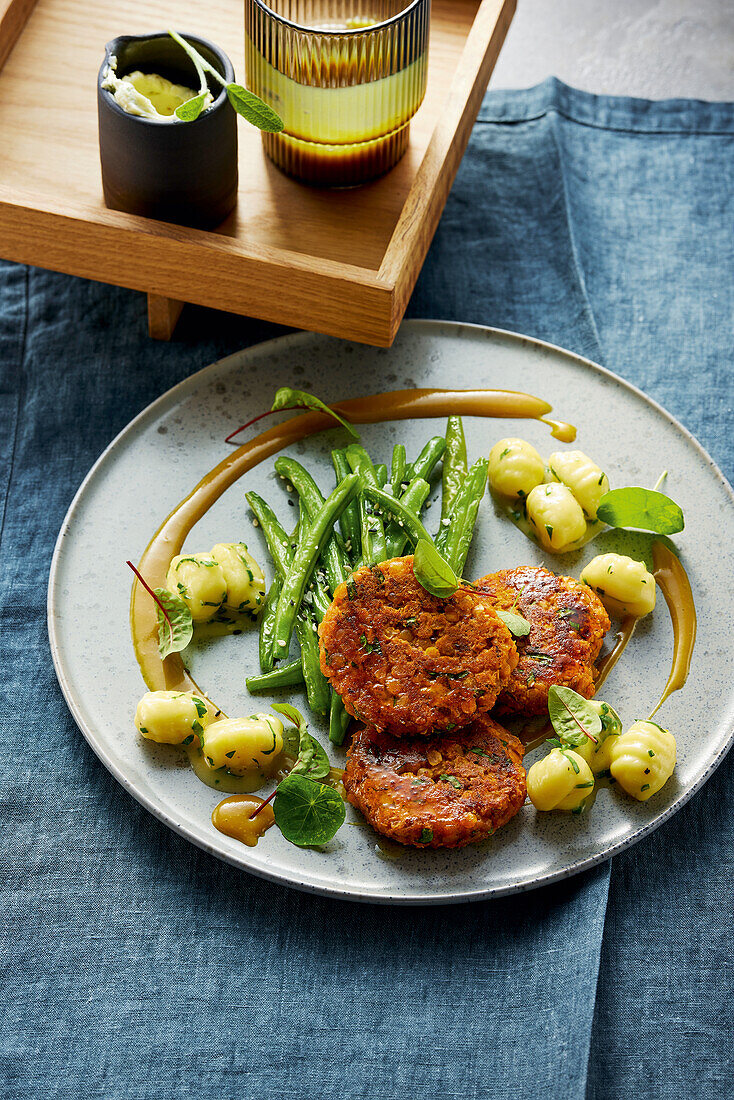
(574, 718)
(517, 625)
(286, 398)
(192, 108)
(311, 759)
(173, 637)
(642, 508)
(432, 572)
(254, 109)
(307, 813)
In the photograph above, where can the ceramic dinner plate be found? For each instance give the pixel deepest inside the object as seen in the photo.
(159, 457)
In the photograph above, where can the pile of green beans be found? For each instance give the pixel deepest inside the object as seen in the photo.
(372, 515)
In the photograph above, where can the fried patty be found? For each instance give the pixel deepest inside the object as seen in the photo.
(407, 662)
(567, 626)
(442, 793)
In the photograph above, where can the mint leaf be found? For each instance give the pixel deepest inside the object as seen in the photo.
(176, 631)
(641, 508)
(307, 813)
(254, 109)
(286, 398)
(432, 572)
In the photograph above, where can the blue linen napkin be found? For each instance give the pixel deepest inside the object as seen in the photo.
(134, 965)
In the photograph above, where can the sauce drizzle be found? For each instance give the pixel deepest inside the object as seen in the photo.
(672, 580)
(607, 663)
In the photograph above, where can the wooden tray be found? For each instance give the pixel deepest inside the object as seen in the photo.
(339, 262)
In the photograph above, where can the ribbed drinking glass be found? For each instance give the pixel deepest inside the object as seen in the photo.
(346, 77)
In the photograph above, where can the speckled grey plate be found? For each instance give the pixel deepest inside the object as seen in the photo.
(159, 457)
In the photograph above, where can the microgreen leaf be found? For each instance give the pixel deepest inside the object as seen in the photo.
(311, 758)
(176, 627)
(574, 719)
(307, 813)
(432, 572)
(254, 109)
(517, 625)
(192, 108)
(286, 398)
(641, 508)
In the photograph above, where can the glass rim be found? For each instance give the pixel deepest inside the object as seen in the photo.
(265, 7)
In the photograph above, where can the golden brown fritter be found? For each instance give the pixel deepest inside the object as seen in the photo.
(567, 626)
(442, 793)
(407, 662)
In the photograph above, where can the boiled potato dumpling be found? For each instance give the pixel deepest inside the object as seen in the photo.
(172, 717)
(243, 576)
(199, 580)
(556, 516)
(584, 478)
(624, 585)
(244, 744)
(562, 780)
(643, 759)
(515, 467)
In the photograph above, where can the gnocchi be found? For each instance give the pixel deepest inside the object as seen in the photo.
(243, 577)
(199, 581)
(172, 717)
(584, 478)
(624, 585)
(556, 516)
(562, 780)
(515, 468)
(643, 759)
(244, 744)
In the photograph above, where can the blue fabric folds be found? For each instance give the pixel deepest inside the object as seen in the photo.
(134, 965)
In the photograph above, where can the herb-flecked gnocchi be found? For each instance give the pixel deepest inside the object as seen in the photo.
(584, 478)
(562, 780)
(244, 744)
(199, 581)
(556, 516)
(515, 468)
(624, 586)
(172, 717)
(643, 759)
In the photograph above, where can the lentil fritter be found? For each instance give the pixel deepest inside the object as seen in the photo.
(443, 793)
(567, 626)
(407, 662)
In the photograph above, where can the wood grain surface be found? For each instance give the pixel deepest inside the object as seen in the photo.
(342, 262)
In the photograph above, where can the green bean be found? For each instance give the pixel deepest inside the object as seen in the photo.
(279, 544)
(372, 530)
(336, 564)
(267, 622)
(427, 459)
(413, 527)
(307, 554)
(317, 687)
(349, 521)
(466, 506)
(397, 468)
(284, 676)
(454, 469)
(339, 720)
(413, 499)
(381, 474)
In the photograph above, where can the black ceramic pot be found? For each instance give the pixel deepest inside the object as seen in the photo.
(184, 172)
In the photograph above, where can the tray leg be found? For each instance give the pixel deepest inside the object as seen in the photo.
(163, 313)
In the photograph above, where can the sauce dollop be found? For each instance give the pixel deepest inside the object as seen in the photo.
(233, 817)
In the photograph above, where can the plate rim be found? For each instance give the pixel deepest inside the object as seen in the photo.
(312, 886)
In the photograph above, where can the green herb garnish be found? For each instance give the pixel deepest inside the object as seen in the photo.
(250, 106)
(574, 719)
(644, 509)
(432, 572)
(306, 812)
(286, 398)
